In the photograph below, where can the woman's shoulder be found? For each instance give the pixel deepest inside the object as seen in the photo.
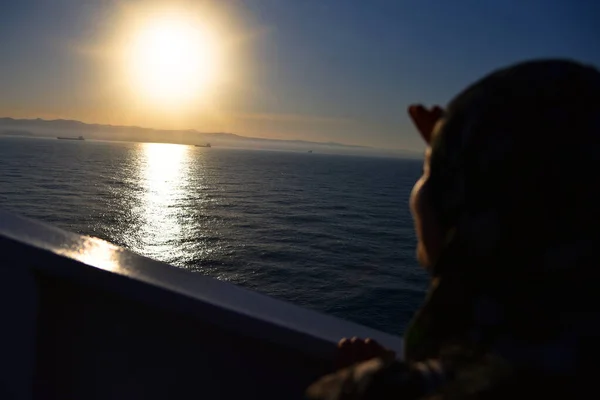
(485, 377)
(378, 378)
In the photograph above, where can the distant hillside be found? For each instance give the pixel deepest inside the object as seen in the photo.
(49, 128)
(43, 127)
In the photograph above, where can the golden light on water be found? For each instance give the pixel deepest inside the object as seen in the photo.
(163, 170)
(164, 180)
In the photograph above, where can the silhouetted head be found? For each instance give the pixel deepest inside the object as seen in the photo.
(507, 214)
(512, 167)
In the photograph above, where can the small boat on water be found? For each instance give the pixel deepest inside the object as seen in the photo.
(203, 145)
(70, 138)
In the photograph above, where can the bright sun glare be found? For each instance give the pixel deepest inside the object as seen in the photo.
(172, 60)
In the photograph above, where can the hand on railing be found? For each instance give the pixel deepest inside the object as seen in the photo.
(351, 351)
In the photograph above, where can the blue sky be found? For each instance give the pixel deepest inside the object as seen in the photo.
(325, 70)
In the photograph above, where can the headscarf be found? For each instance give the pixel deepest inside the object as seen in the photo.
(513, 306)
(514, 174)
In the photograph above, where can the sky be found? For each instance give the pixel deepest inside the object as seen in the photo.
(319, 70)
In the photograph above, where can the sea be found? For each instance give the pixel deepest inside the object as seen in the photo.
(332, 233)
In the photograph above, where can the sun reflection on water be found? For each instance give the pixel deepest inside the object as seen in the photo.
(164, 179)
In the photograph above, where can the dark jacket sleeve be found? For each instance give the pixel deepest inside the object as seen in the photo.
(379, 379)
(483, 377)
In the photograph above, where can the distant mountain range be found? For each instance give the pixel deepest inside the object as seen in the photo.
(50, 128)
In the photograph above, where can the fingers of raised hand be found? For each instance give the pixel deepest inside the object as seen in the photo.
(425, 119)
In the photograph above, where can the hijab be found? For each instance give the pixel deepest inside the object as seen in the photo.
(514, 178)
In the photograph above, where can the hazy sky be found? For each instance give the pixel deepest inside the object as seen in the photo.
(325, 70)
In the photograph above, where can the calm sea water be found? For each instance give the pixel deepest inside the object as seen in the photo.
(331, 233)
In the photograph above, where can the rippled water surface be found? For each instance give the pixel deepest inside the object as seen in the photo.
(332, 233)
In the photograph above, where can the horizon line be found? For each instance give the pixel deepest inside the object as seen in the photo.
(191, 130)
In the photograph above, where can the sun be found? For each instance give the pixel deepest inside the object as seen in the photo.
(172, 60)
